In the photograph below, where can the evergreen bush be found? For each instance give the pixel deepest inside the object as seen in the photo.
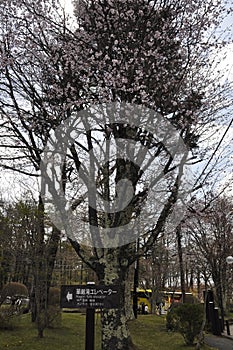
(186, 319)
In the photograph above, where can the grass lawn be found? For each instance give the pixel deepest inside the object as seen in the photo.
(148, 332)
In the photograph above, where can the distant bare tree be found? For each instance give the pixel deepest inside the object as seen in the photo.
(212, 234)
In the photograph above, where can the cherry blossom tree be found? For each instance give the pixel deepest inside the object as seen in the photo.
(134, 81)
(21, 143)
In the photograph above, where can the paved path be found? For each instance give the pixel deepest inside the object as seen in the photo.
(220, 343)
(231, 332)
(224, 342)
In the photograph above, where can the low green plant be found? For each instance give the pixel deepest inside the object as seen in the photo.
(13, 290)
(53, 312)
(185, 319)
(8, 319)
(53, 316)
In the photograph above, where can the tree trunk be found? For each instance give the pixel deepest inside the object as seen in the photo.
(115, 332)
(180, 254)
(220, 302)
(128, 296)
(200, 340)
(51, 252)
(135, 287)
(33, 304)
(39, 271)
(43, 264)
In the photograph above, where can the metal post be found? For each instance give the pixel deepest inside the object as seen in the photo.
(211, 316)
(209, 297)
(217, 321)
(90, 329)
(228, 327)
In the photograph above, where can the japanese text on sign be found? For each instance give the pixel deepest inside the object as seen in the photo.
(90, 296)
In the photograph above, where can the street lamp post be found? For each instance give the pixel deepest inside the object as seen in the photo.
(229, 261)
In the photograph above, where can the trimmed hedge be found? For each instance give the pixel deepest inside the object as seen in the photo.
(13, 290)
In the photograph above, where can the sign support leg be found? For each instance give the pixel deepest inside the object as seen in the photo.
(90, 329)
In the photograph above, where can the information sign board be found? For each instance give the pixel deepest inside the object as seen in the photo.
(90, 296)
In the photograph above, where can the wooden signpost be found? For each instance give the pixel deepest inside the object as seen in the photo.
(90, 297)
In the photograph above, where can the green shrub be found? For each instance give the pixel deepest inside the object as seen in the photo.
(54, 296)
(170, 319)
(53, 316)
(13, 290)
(187, 320)
(8, 319)
(54, 310)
